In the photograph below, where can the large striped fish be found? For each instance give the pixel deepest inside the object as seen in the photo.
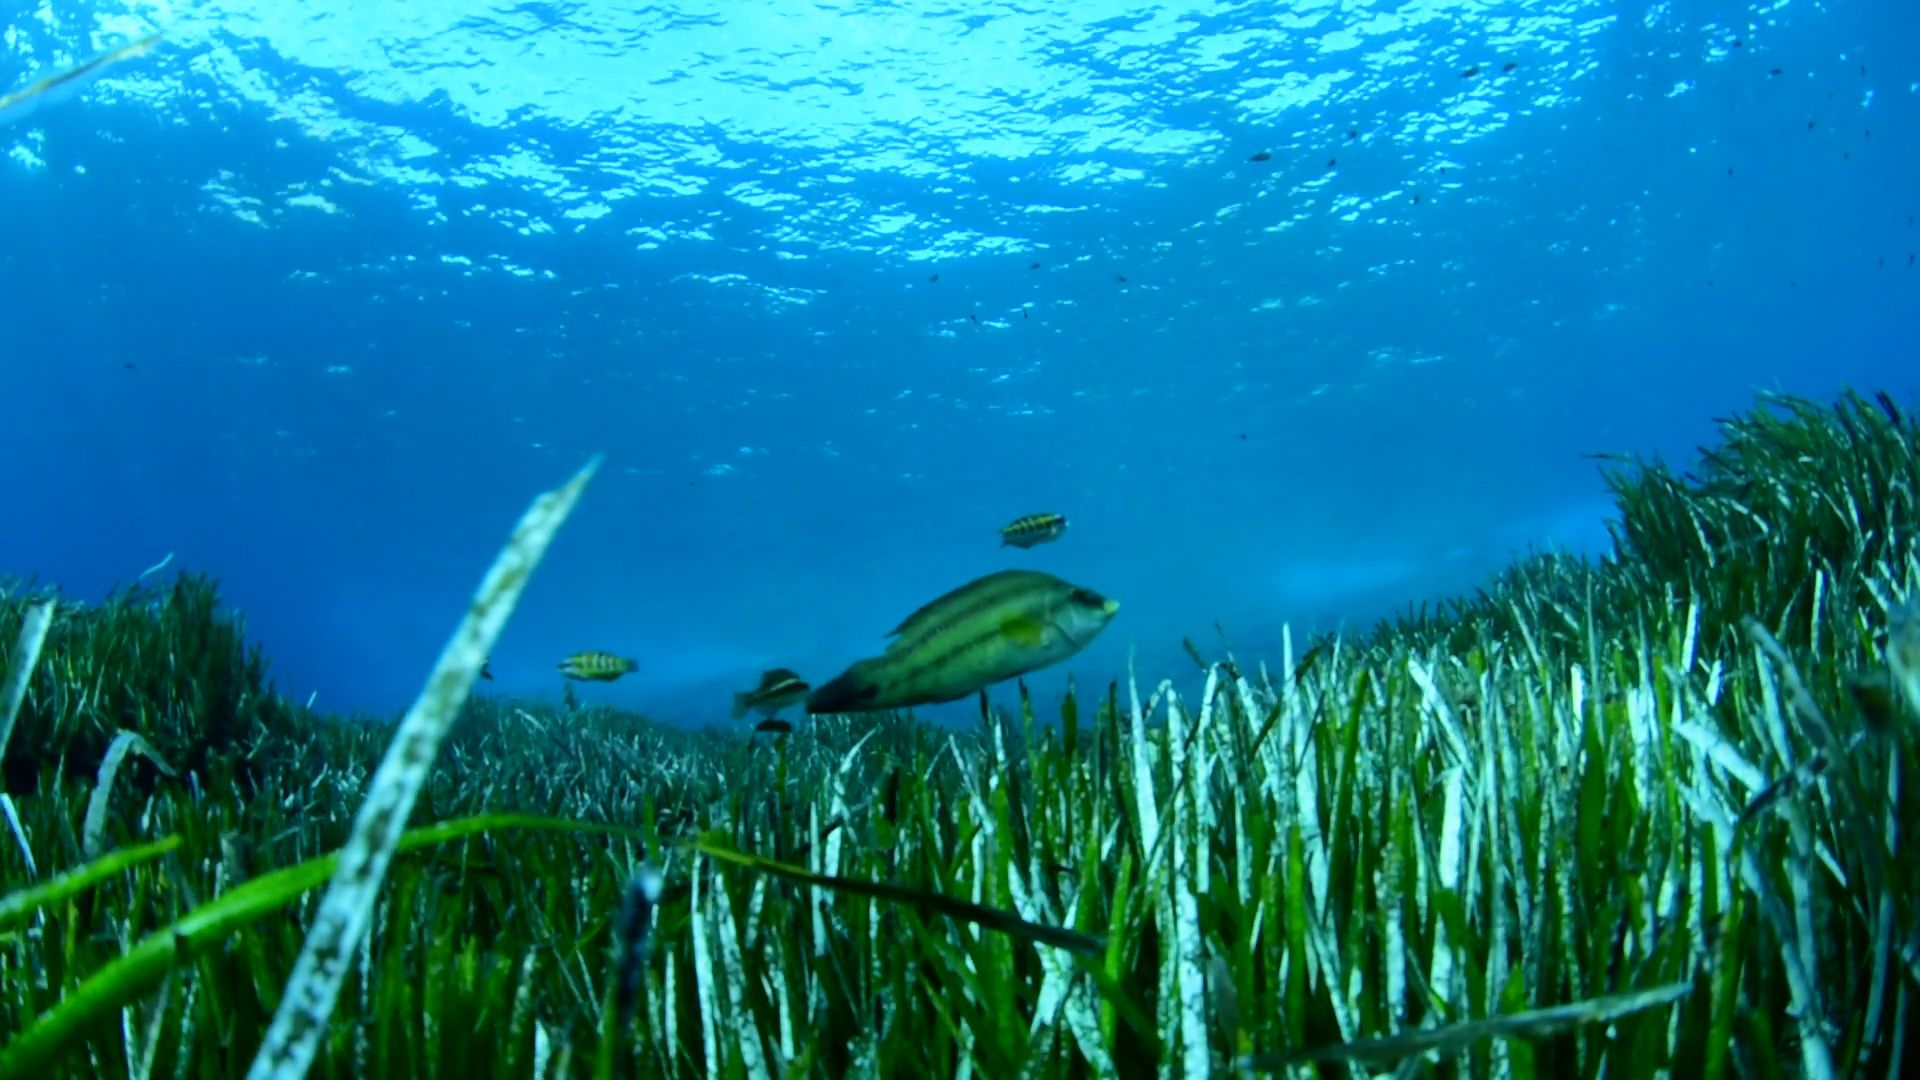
(990, 629)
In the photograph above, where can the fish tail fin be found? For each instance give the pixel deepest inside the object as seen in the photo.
(850, 691)
(739, 704)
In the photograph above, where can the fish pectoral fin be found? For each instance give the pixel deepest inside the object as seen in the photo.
(1026, 631)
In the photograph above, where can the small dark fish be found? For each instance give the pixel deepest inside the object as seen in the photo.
(1025, 532)
(1416, 200)
(974, 317)
(1331, 162)
(1122, 278)
(1353, 133)
(933, 277)
(484, 666)
(1261, 156)
(778, 689)
(1775, 71)
(1033, 266)
(1470, 73)
(1810, 124)
(1025, 314)
(777, 727)
(1509, 66)
(128, 366)
(1737, 43)
(597, 666)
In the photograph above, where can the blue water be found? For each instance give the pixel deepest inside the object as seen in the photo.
(384, 272)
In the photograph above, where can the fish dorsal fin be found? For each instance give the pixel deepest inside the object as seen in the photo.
(936, 612)
(777, 676)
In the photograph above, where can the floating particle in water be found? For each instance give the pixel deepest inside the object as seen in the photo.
(1470, 72)
(1261, 156)
(54, 88)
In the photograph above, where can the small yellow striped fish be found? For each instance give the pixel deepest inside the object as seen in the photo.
(990, 629)
(1033, 529)
(597, 666)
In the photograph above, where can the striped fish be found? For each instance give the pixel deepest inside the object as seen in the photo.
(597, 666)
(1025, 532)
(988, 630)
(778, 689)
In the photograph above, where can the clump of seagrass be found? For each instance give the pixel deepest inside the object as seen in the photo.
(1785, 521)
(168, 664)
(347, 908)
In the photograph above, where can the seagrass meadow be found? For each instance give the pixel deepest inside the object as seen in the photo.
(1640, 816)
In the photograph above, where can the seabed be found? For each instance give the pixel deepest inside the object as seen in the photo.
(1635, 817)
